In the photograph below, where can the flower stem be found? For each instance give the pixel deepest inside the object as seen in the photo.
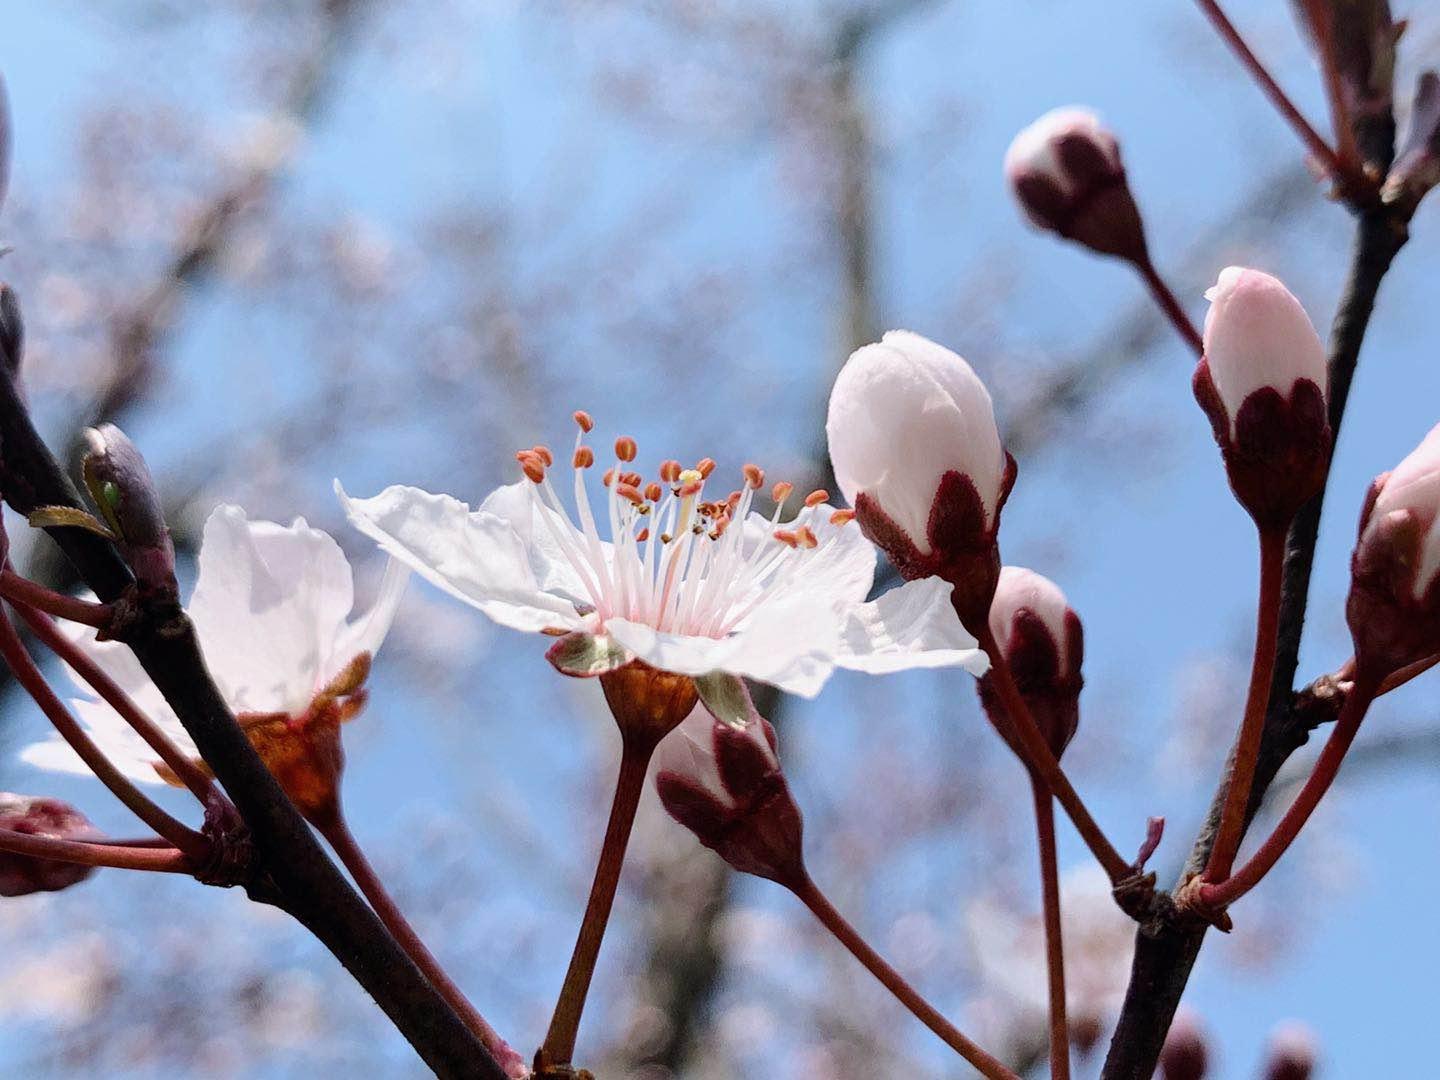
(1326, 766)
(22, 590)
(1054, 942)
(96, 853)
(1247, 744)
(18, 659)
(811, 896)
(1043, 764)
(180, 764)
(1344, 173)
(337, 832)
(1320, 21)
(559, 1046)
(1171, 307)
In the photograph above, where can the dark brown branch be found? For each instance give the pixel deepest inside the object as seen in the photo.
(305, 882)
(1165, 951)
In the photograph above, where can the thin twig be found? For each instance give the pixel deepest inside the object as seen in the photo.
(96, 853)
(1054, 935)
(22, 590)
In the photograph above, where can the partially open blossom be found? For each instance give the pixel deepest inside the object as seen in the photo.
(21, 875)
(1291, 1052)
(119, 481)
(663, 576)
(724, 784)
(1043, 644)
(1066, 173)
(1185, 1055)
(916, 451)
(271, 610)
(1394, 603)
(1263, 383)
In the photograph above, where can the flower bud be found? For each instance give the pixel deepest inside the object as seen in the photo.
(1263, 383)
(1394, 603)
(1291, 1053)
(1184, 1055)
(1066, 173)
(124, 491)
(915, 450)
(21, 875)
(724, 784)
(1043, 645)
(1417, 166)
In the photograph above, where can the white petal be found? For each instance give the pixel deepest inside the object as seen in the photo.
(1019, 589)
(367, 632)
(476, 557)
(113, 658)
(913, 626)
(520, 506)
(270, 602)
(842, 568)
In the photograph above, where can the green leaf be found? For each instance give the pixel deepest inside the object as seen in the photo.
(727, 697)
(586, 655)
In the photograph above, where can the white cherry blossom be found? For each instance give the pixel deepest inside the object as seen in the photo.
(661, 573)
(271, 610)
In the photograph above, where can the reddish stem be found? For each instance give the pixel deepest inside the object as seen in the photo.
(1168, 304)
(559, 1046)
(1247, 744)
(22, 590)
(1326, 766)
(1054, 940)
(337, 832)
(1344, 173)
(811, 896)
(96, 853)
(1319, 15)
(1042, 763)
(15, 655)
(180, 764)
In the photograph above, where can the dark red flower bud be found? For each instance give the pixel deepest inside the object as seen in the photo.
(21, 875)
(1291, 1054)
(124, 491)
(1066, 173)
(1184, 1055)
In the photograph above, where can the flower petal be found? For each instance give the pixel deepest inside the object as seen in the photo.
(476, 557)
(913, 626)
(367, 633)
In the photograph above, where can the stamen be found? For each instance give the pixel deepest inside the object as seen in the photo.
(584, 458)
(642, 536)
(531, 465)
(842, 517)
(816, 497)
(670, 471)
(630, 493)
(653, 491)
(754, 476)
(806, 537)
(582, 418)
(625, 448)
(781, 491)
(543, 453)
(607, 476)
(705, 467)
(634, 479)
(786, 537)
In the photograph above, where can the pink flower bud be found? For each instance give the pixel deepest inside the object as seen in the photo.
(1066, 173)
(21, 875)
(1184, 1055)
(1394, 603)
(1291, 1054)
(916, 451)
(1263, 383)
(1043, 645)
(724, 784)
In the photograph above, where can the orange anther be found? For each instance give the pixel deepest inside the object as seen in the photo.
(607, 476)
(629, 492)
(806, 537)
(816, 497)
(584, 457)
(642, 535)
(670, 471)
(781, 491)
(653, 491)
(786, 537)
(544, 454)
(583, 419)
(625, 448)
(754, 476)
(634, 479)
(531, 466)
(705, 467)
(842, 517)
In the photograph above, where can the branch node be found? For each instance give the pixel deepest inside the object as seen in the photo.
(1190, 901)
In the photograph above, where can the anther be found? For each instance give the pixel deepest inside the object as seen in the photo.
(584, 457)
(781, 491)
(816, 497)
(786, 537)
(705, 467)
(653, 491)
(543, 453)
(625, 448)
(583, 419)
(805, 537)
(642, 535)
(670, 471)
(629, 492)
(754, 476)
(634, 479)
(842, 517)
(607, 476)
(531, 466)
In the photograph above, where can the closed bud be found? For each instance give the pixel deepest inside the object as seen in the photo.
(1066, 173)
(1394, 603)
(1044, 646)
(21, 875)
(1184, 1055)
(1263, 383)
(1417, 166)
(915, 450)
(1291, 1053)
(124, 491)
(723, 783)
